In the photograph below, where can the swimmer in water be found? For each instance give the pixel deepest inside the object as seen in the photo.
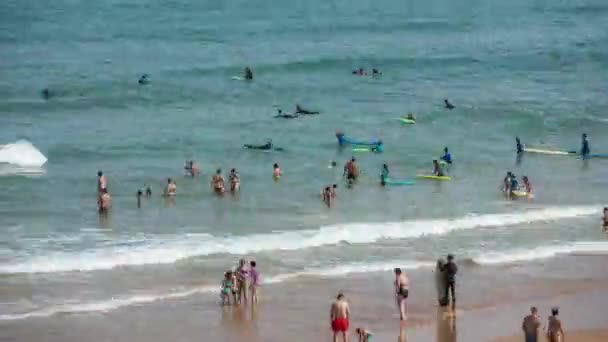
(280, 114)
(384, 174)
(437, 171)
(379, 147)
(514, 186)
(276, 172)
(606, 218)
(171, 188)
(235, 181)
(139, 195)
(46, 93)
(527, 185)
(143, 79)
(148, 191)
(519, 146)
(102, 182)
(447, 157)
(248, 74)
(506, 183)
(327, 196)
(448, 105)
(334, 191)
(351, 171)
(218, 182)
(411, 116)
(360, 72)
(585, 149)
(376, 72)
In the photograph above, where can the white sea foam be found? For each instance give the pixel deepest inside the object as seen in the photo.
(169, 250)
(541, 252)
(117, 303)
(22, 153)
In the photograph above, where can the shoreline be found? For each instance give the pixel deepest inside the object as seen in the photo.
(495, 298)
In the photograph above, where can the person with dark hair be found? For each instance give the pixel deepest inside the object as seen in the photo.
(585, 149)
(102, 182)
(605, 218)
(402, 285)
(530, 325)
(448, 105)
(519, 146)
(450, 269)
(139, 195)
(555, 332)
(218, 182)
(255, 281)
(339, 317)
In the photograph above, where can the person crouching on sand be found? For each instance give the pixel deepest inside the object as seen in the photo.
(339, 317)
(364, 335)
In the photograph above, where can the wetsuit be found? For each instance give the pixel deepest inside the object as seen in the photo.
(450, 269)
(585, 148)
(267, 146)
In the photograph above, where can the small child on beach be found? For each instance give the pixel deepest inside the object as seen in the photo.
(254, 275)
(364, 335)
(227, 288)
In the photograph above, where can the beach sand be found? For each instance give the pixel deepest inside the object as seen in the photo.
(492, 300)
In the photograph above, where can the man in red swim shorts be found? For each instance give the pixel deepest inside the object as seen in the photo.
(340, 313)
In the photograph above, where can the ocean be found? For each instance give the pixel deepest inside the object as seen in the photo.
(533, 69)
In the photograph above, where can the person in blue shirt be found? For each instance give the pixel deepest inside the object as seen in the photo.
(447, 157)
(585, 146)
(520, 147)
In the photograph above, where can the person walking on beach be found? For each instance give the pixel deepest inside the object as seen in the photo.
(555, 332)
(402, 286)
(530, 325)
(340, 316)
(450, 269)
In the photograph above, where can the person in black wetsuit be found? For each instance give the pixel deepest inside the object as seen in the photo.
(520, 147)
(280, 114)
(248, 74)
(143, 79)
(267, 146)
(448, 105)
(585, 149)
(450, 269)
(300, 110)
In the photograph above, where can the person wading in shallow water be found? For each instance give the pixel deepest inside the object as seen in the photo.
(450, 269)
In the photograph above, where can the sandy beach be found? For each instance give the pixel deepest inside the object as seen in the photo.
(491, 303)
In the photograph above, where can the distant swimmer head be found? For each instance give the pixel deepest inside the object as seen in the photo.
(334, 163)
(335, 186)
(46, 93)
(218, 171)
(276, 166)
(99, 173)
(233, 170)
(143, 79)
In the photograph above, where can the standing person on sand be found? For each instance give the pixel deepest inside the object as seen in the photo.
(450, 269)
(339, 316)
(402, 286)
(530, 325)
(555, 332)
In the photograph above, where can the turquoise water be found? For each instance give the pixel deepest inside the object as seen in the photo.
(535, 69)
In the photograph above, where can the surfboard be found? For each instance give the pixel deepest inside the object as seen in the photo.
(440, 178)
(407, 121)
(237, 78)
(362, 149)
(389, 181)
(519, 193)
(547, 151)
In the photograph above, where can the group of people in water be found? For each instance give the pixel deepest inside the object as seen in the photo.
(240, 284)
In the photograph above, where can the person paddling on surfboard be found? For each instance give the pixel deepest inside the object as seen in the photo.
(300, 110)
(437, 171)
(280, 114)
(448, 105)
(447, 157)
(248, 74)
(585, 149)
(267, 146)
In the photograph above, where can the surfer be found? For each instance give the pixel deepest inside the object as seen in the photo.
(248, 74)
(585, 149)
(448, 105)
(360, 72)
(280, 114)
(605, 218)
(104, 202)
(139, 195)
(402, 285)
(339, 317)
(143, 79)
(437, 170)
(450, 269)
(148, 191)
(235, 180)
(351, 171)
(440, 282)
(171, 188)
(300, 110)
(218, 183)
(276, 172)
(326, 196)
(514, 185)
(384, 174)
(520, 147)
(267, 146)
(447, 157)
(376, 72)
(411, 116)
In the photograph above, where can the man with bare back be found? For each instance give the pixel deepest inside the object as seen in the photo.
(339, 316)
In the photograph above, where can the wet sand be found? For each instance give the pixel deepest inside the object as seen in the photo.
(491, 303)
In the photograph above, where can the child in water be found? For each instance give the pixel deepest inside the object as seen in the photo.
(227, 288)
